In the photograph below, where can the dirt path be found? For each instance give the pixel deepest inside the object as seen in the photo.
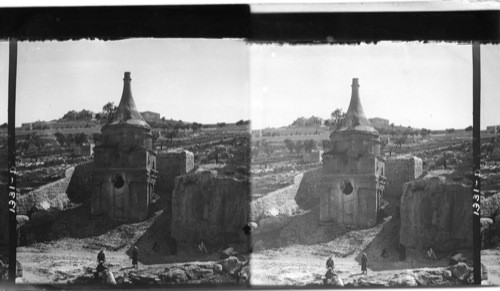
(298, 265)
(65, 259)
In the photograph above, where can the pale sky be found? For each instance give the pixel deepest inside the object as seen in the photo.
(195, 80)
(412, 84)
(208, 81)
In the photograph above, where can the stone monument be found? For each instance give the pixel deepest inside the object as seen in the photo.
(353, 176)
(124, 171)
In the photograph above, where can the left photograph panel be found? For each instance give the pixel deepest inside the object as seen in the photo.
(132, 160)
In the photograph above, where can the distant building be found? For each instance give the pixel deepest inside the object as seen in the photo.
(150, 116)
(493, 128)
(379, 122)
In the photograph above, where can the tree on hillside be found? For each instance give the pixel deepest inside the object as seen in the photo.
(337, 117)
(425, 132)
(399, 140)
(97, 137)
(299, 145)
(468, 128)
(301, 121)
(289, 144)
(171, 133)
(450, 130)
(27, 142)
(221, 124)
(4, 125)
(38, 142)
(196, 126)
(268, 148)
(243, 122)
(109, 109)
(81, 138)
(310, 145)
(61, 138)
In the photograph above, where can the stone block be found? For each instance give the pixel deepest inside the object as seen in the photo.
(436, 214)
(211, 208)
(78, 190)
(399, 170)
(170, 165)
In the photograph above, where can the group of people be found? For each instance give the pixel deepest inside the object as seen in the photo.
(332, 279)
(103, 274)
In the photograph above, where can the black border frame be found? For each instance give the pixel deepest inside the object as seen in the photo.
(236, 21)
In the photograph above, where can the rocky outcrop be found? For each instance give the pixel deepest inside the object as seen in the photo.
(308, 193)
(170, 165)
(398, 171)
(490, 206)
(53, 193)
(78, 190)
(279, 202)
(436, 214)
(211, 208)
(486, 232)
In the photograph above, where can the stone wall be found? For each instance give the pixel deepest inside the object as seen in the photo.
(436, 214)
(211, 208)
(78, 190)
(169, 166)
(399, 170)
(53, 193)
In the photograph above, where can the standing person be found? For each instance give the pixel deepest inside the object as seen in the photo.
(329, 263)
(135, 254)
(364, 260)
(101, 256)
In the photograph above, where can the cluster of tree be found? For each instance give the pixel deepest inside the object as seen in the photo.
(78, 115)
(70, 139)
(311, 121)
(221, 124)
(4, 125)
(336, 119)
(271, 133)
(32, 140)
(108, 110)
(468, 128)
(308, 145)
(243, 122)
(450, 130)
(263, 145)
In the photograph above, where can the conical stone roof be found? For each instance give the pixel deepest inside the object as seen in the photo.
(355, 119)
(127, 113)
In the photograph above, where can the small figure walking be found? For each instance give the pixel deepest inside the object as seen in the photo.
(135, 254)
(101, 256)
(364, 260)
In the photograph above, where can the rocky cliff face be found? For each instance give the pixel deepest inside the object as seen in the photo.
(52, 194)
(78, 190)
(210, 207)
(310, 187)
(436, 214)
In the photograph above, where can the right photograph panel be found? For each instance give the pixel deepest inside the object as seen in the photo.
(362, 164)
(490, 162)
